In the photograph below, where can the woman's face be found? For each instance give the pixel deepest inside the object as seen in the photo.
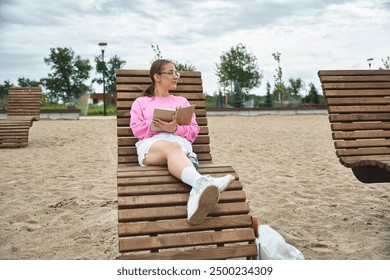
(168, 76)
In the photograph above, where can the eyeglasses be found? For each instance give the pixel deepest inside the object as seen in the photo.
(175, 74)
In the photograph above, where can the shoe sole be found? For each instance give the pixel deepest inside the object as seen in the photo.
(207, 201)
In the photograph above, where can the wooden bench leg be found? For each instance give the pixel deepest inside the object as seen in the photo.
(255, 226)
(371, 174)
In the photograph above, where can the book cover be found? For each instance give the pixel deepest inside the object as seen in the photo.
(183, 115)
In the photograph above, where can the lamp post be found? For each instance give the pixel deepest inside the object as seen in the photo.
(103, 46)
(369, 60)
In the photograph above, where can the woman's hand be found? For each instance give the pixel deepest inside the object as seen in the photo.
(167, 126)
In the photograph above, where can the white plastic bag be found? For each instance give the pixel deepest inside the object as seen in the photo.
(272, 246)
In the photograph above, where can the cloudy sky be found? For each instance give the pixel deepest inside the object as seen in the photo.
(310, 35)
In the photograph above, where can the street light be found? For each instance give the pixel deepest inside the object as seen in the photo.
(103, 46)
(369, 60)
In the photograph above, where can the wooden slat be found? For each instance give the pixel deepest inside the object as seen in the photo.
(158, 189)
(360, 126)
(193, 239)
(227, 252)
(138, 171)
(359, 109)
(380, 85)
(359, 117)
(182, 225)
(177, 212)
(142, 201)
(364, 160)
(344, 73)
(358, 101)
(357, 93)
(362, 143)
(349, 135)
(363, 152)
(128, 141)
(152, 178)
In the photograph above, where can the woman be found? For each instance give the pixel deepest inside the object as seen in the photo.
(172, 144)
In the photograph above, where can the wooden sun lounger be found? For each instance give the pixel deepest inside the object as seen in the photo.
(14, 133)
(152, 204)
(24, 103)
(23, 107)
(359, 113)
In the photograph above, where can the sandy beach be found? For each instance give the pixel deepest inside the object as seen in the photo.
(58, 195)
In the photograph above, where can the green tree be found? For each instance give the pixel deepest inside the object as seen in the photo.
(280, 91)
(69, 74)
(295, 87)
(238, 64)
(238, 96)
(4, 92)
(184, 66)
(268, 97)
(25, 82)
(312, 97)
(114, 64)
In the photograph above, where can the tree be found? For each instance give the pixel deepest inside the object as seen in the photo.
(295, 87)
(114, 64)
(293, 95)
(280, 90)
(179, 66)
(238, 64)
(312, 97)
(25, 82)
(4, 92)
(184, 66)
(386, 63)
(268, 97)
(219, 102)
(67, 81)
(238, 95)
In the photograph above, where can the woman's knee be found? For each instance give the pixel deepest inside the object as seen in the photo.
(166, 148)
(174, 146)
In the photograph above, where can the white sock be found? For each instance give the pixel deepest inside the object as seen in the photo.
(189, 175)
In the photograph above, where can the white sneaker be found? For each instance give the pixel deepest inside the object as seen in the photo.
(205, 195)
(202, 200)
(221, 182)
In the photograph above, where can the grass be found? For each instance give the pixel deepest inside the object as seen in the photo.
(93, 110)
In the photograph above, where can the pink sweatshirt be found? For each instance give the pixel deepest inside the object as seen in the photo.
(142, 115)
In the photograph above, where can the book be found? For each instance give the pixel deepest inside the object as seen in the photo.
(183, 115)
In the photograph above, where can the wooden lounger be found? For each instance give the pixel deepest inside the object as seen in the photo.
(24, 103)
(359, 113)
(14, 133)
(23, 108)
(152, 204)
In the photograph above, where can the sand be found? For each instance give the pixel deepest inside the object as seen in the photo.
(58, 195)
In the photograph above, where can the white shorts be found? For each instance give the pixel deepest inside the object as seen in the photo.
(143, 146)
